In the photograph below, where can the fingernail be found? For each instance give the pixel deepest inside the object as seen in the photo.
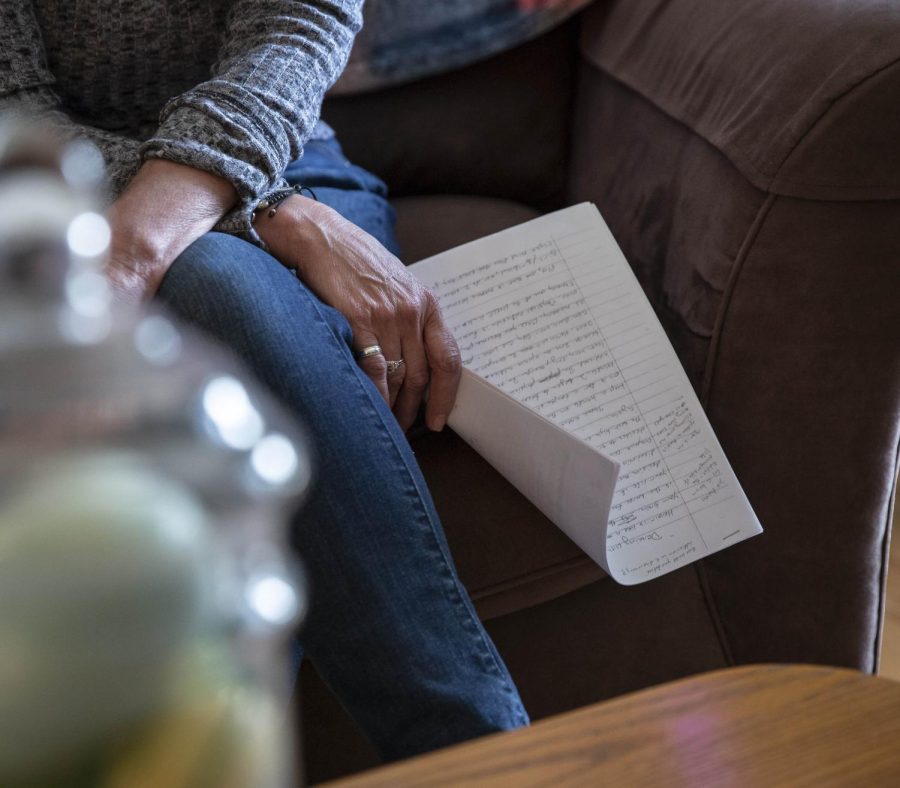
(438, 422)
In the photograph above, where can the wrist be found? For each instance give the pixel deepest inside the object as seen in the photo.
(298, 224)
(135, 248)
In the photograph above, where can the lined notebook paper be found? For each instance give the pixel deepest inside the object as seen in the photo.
(574, 393)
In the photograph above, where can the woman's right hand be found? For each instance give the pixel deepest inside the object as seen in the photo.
(164, 209)
(384, 304)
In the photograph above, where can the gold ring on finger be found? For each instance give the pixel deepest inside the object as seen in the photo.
(369, 351)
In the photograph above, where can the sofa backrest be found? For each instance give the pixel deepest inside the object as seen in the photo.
(803, 97)
(498, 128)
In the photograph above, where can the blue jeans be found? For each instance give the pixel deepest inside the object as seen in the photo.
(390, 628)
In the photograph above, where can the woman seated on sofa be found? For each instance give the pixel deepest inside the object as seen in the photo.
(209, 218)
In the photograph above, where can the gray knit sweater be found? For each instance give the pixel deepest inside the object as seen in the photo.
(233, 87)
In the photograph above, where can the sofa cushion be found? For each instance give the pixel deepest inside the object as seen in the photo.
(800, 96)
(508, 554)
(432, 224)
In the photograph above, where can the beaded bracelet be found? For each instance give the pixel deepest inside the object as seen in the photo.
(271, 201)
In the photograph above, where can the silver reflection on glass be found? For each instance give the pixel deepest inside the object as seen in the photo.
(227, 405)
(275, 460)
(88, 292)
(157, 340)
(273, 599)
(79, 329)
(88, 235)
(81, 164)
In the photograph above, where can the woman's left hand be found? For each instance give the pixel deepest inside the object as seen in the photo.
(384, 304)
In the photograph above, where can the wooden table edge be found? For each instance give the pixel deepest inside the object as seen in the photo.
(776, 685)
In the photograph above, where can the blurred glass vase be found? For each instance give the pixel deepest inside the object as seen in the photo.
(146, 588)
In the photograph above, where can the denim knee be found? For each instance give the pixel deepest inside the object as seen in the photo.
(222, 284)
(215, 262)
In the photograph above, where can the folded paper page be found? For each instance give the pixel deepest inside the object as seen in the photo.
(550, 313)
(568, 480)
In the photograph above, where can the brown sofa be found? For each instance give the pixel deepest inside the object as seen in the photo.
(747, 158)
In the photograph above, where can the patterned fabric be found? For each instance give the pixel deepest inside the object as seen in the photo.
(247, 77)
(232, 87)
(403, 40)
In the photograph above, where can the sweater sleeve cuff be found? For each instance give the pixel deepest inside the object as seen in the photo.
(194, 138)
(198, 140)
(239, 220)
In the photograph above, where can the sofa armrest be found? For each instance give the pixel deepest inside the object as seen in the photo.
(745, 158)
